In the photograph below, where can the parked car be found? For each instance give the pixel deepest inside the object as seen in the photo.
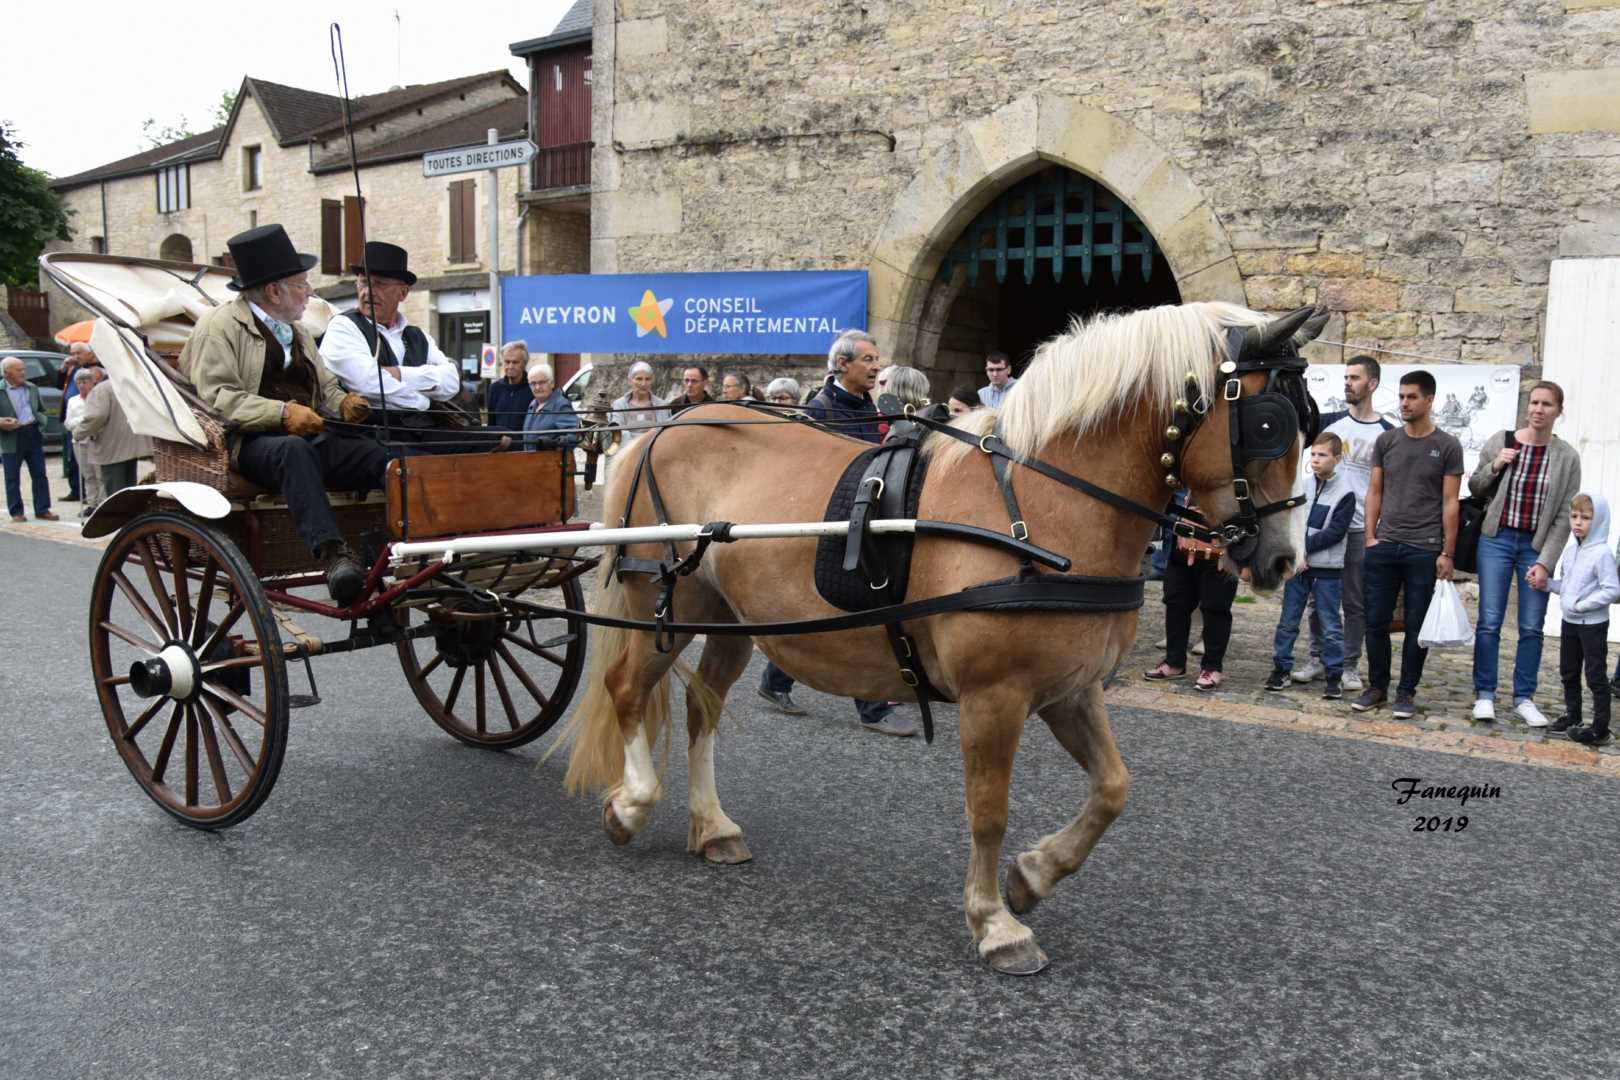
(44, 370)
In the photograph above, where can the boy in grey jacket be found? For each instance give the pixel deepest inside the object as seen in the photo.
(1321, 575)
(1587, 583)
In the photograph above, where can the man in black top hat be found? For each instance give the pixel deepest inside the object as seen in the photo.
(395, 365)
(257, 365)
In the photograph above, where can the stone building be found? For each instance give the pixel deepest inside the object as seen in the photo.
(998, 165)
(282, 157)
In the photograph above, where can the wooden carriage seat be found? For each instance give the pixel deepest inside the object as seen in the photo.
(461, 494)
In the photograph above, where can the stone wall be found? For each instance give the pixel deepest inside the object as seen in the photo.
(1413, 166)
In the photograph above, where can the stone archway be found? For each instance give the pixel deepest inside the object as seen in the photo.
(907, 301)
(176, 248)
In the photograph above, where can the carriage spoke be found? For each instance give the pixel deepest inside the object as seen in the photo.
(182, 594)
(480, 693)
(216, 764)
(523, 676)
(232, 739)
(240, 704)
(538, 650)
(455, 689)
(150, 560)
(115, 680)
(506, 696)
(138, 602)
(222, 629)
(233, 662)
(430, 667)
(205, 599)
(161, 765)
(131, 637)
(141, 720)
(191, 756)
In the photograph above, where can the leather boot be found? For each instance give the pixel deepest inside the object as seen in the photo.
(345, 577)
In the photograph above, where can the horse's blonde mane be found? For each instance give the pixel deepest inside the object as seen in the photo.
(1103, 366)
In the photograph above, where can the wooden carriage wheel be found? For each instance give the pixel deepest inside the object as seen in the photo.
(498, 682)
(189, 669)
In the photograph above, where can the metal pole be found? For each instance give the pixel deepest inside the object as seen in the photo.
(494, 215)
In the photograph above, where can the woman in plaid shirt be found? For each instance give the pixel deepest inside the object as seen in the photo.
(1524, 531)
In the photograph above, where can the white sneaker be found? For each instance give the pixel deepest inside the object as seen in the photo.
(1351, 680)
(1527, 711)
(1485, 709)
(1311, 671)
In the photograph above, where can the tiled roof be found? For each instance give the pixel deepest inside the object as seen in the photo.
(510, 118)
(375, 106)
(191, 148)
(575, 24)
(292, 111)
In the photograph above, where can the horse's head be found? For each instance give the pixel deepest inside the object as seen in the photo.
(1241, 460)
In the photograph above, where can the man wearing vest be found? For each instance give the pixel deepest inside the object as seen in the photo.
(394, 363)
(253, 362)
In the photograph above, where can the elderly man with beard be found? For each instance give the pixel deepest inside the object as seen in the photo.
(393, 364)
(252, 361)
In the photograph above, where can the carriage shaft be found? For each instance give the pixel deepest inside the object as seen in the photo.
(447, 548)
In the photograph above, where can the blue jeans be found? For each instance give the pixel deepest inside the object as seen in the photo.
(1326, 593)
(777, 681)
(30, 450)
(1390, 565)
(1504, 559)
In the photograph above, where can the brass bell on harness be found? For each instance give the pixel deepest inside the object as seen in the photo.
(1180, 405)
(1172, 433)
(1167, 460)
(1171, 481)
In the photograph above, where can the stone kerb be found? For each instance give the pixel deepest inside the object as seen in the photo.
(987, 154)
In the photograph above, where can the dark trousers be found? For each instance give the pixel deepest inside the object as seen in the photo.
(31, 452)
(301, 469)
(118, 476)
(1205, 587)
(777, 681)
(70, 467)
(1389, 566)
(1585, 647)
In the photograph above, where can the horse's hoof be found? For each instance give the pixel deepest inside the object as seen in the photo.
(1021, 899)
(614, 827)
(727, 851)
(1018, 958)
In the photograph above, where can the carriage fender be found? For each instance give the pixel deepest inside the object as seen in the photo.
(200, 500)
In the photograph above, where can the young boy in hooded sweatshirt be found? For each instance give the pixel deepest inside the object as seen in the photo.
(1587, 583)
(1321, 575)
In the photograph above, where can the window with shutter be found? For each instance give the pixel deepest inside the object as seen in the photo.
(331, 236)
(354, 230)
(463, 222)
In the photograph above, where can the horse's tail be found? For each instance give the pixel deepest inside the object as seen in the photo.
(596, 759)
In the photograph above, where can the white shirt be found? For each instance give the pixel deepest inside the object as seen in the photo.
(345, 352)
(990, 397)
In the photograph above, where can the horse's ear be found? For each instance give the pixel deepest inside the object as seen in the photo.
(1265, 339)
(1311, 327)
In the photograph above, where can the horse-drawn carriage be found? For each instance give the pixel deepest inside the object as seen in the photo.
(193, 642)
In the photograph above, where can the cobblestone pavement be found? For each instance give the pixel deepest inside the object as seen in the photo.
(1445, 696)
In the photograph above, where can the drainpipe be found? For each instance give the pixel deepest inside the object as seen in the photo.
(523, 216)
(106, 237)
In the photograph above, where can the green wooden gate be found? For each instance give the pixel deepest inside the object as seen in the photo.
(1061, 217)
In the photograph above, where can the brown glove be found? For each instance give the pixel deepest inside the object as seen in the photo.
(354, 408)
(302, 420)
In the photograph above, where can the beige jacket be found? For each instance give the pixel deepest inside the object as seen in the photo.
(224, 359)
(104, 431)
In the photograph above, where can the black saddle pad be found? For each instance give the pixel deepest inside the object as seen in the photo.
(850, 591)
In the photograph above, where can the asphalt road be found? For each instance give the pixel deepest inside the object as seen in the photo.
(406, 907)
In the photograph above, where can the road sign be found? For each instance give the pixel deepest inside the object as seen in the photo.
(488, 362)
(476, 158)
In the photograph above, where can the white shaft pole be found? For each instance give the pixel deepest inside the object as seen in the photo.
(596, 536)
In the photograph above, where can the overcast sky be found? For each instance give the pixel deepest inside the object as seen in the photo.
(85, 74)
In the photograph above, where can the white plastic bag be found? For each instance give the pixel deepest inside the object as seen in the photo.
(1446, 625)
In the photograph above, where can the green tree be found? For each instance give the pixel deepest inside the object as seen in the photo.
(31, 215)
(162, 135)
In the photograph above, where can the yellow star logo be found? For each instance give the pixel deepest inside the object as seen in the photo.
(650, 314)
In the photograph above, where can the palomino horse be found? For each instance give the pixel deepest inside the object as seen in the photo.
(1097, 403)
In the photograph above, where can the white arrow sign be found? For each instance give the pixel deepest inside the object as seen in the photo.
(475, 158)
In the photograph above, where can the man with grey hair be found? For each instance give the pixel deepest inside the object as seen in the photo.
(22, 417)
(254, 362)
(80, 356)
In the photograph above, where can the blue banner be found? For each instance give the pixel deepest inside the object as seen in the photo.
(736, 314)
